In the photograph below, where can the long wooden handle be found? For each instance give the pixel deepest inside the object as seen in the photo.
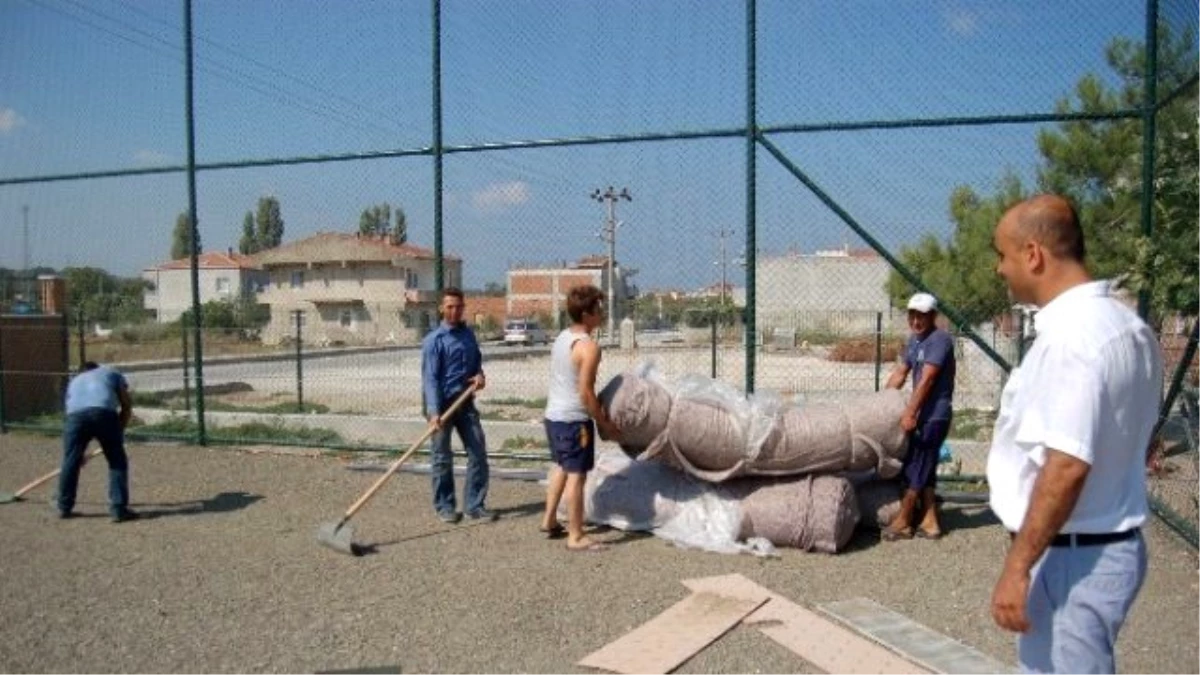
(403, 458)
(52, 474)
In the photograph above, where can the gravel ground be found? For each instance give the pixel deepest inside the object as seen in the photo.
(225, 575)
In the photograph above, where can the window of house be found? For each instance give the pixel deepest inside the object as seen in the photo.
(362, 276)
(346, 318)
(410, 279)
(223, 286)
(298, 279)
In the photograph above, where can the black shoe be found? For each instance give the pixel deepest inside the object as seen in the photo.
(66, 515)
(483, 514)
(125, 515)
(449, 516)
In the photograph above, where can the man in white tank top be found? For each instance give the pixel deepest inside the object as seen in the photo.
(572, 414)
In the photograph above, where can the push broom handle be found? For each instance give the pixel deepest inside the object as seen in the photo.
(52, 474)
(403, 458)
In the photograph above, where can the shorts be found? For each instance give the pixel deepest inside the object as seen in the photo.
(572, 444)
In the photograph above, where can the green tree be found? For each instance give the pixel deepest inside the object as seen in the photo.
(375, 220)
(1098, 164)
(269, 224)
(181, 237)
(248, 244)
(400, 230)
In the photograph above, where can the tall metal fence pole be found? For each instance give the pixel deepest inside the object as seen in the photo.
(751, 341)
(299, 314)
(187, 394)
(1149, 112)
(878, 347)
(189, 110)
(1020, 337)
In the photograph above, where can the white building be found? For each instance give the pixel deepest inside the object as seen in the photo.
(224, 276)
(352, 289)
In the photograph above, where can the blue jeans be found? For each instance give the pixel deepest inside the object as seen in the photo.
(1078, 599)
(470, 432)
(81, 428)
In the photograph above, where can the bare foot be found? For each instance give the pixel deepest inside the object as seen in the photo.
(586, 545)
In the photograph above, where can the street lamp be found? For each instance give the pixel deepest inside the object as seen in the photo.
(609, 234)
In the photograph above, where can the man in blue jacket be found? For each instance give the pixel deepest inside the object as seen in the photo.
(93, 399)
(451, 362)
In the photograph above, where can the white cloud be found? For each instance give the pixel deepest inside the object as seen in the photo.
(151, 157)
(961, 21)
(10, 120)
(500, 195)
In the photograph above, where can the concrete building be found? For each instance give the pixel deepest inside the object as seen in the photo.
(536, 291)
(352, 289)
(835, 291)
(223, 276)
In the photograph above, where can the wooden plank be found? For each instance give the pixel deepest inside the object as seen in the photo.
(669, 639)
(920, 644)
(823, 643)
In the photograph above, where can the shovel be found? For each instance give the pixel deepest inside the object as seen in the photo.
(6, 497)
(339, 536)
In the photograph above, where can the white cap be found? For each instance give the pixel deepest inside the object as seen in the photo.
(923, 303)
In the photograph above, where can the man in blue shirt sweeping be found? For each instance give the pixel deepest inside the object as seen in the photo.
(93, 399)
(451, 362)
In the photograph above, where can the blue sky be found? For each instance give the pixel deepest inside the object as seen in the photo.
(98, 84)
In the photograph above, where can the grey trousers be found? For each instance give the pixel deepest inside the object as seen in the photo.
(1078, 599)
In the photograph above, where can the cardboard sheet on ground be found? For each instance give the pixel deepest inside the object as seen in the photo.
(669, 639)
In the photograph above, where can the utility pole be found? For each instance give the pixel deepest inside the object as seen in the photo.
(609, 235)
(723, 234)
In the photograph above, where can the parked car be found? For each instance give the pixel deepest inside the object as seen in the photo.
(524, 332)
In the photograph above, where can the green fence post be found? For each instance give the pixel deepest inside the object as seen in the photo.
(187, 380)
(1149, 112)
(197, 311)
(1020, 337)
(751, 131)
(878, 347)
(299, 314)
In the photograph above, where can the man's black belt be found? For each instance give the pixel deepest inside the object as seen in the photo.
(1086, 539)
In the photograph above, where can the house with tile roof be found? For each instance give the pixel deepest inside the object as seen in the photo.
(352, 289)
(224, 276)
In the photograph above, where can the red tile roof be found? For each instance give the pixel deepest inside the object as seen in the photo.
(211, 260)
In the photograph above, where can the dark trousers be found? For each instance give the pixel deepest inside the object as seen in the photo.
(924, 445)
(81, 428)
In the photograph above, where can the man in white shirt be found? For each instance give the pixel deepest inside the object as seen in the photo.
(1066, 467)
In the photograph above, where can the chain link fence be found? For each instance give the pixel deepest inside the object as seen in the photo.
(756, 185)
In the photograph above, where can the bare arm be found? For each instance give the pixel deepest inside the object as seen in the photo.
(898, 376)
(1055, 493)
(586, 354)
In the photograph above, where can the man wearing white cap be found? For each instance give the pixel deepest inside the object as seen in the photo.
(929, 355)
